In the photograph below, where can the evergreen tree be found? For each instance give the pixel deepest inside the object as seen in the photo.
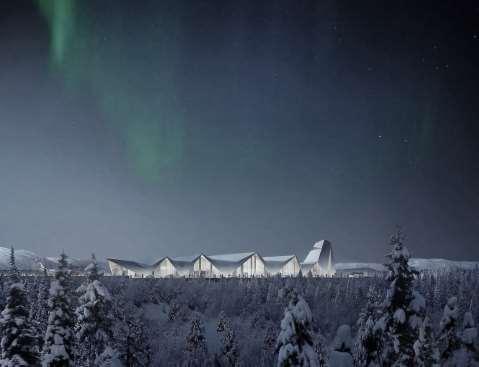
(39, 310)
(134, 344)
(295, 342)
(321, 348)
(196, 349)
(425, 348)
(173, 311)
(94, 321)
(59, 342)
(268, 347)
(341, 348)
(403, 308)
(469, 354)
(368, 341)
(108, 358)
(448, 333)
(222, 322)
(229, 349)
(19, 344)
(3, 291)
(13, 273)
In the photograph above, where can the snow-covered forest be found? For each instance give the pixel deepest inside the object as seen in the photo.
(403, 319)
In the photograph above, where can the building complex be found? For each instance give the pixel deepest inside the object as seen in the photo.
(318, 262)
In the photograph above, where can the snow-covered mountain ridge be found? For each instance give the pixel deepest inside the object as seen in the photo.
(29, 261)
(419, 264)
(25, 260)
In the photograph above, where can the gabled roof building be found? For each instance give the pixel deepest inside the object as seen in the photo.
(319, 262)
(245, 264)
(174, 267)
(128, 268)
(282, 265)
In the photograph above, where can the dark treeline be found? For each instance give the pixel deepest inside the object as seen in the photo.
(402, 319)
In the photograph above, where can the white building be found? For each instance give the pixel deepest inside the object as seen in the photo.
(319, 261)
(245, 264)
(130, 269)
(282, 265)
(175, 267)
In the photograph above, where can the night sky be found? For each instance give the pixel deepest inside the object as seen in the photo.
(137, 129)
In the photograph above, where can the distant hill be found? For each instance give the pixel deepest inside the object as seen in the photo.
(29, 261)
(25, 260)
(418, 264)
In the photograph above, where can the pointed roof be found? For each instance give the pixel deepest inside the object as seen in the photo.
(179, 261)
(229, 262)
(274, 264)
(320, 244)
(157, 262)
(313, 256)
(130, 265)
(320, 253)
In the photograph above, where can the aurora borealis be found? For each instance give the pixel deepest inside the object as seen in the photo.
(217, 126)
(135, 97)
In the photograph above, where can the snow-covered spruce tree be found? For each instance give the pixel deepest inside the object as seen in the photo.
(94, 322)
(132, 339)
(448, 333)
(39, 310)
(13, 273)
(59, 342)
(268, 347)
(402, 310)
(19, 344)
(3, 291)
(367, 344)
(174, 310)
(196, 350)
(295, 342)
(425, 347)
(468, 355)
(108, 358)
(229, 348)
(222, 322)
(341, 355)
(321, 348)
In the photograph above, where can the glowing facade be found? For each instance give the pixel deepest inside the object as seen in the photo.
(319, 262)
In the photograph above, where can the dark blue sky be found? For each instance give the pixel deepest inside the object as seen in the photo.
(140, 129)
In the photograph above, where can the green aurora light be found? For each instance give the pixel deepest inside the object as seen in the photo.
(132, 82)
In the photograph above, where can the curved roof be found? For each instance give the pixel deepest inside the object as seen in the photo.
(238, 257)
(130, 265)
(278, 259)
(184, 262)
(185, 259)
(229, 262)
(275, 263)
